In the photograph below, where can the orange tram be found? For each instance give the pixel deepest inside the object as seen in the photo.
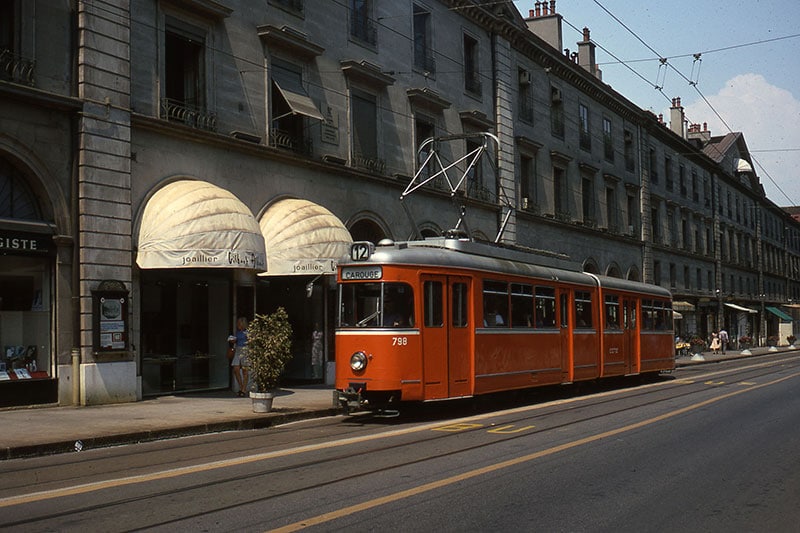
(447, 318)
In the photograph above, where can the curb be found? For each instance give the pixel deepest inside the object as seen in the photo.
(136, 437)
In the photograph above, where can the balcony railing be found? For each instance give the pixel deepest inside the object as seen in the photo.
(373, 164)
(286, 141)
(16, 68)
(176, 111)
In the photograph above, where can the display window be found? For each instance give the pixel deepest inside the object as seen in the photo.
(24, 318)
(185, 323)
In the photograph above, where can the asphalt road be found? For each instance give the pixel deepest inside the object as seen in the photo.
(710, 448)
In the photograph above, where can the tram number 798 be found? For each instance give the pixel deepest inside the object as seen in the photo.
(399, 341)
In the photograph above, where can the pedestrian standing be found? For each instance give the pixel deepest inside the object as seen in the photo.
(715, 342)
(239, 363)
(723, 339)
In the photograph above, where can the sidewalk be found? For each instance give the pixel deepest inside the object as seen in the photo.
(47, 430)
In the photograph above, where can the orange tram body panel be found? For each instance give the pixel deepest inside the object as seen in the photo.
(448, 318)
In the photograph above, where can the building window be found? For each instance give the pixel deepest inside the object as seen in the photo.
(13, 66)
(527, 181)
(630, 160)
(475, 185)
(362, 27)
(652, 166)
(608, 141)
(611, 209)
(365, 134)
(556, 113)
(657, 272)
(560, 193)
(472, 80)
(423, 49)
(184, 77)
(585, 137)
(668, 173)
(682, 181)
(587, 197)
(424, 128)
(290, 104)
(525, 92)
(673, 282)
(16, 198)
(292, 5)
(656, 223)
(632, 214)
(695, 190)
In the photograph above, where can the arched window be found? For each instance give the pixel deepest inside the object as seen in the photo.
(16, 198)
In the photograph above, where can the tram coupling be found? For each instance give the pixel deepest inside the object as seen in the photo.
(350, 398)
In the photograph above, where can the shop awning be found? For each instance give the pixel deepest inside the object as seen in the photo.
(676, 315)
(740, 308)
(303, 238)
(682, 306)
(780, 314)
(194, 224)
(298, 101)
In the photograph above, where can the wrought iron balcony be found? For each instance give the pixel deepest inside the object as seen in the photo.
(176, 111)
(287, 141)
(16, 68)
(373, 164)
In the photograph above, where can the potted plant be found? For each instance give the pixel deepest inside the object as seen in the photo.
(745, 341)
(697, 344)
(772, 340)
(269, 350)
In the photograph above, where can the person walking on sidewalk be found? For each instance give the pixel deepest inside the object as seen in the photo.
(239, 363)
(715, 343)
(723, 340)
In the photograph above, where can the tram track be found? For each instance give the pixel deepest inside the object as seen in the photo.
(676, 388)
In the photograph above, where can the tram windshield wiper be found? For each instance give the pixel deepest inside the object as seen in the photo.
(363, 322)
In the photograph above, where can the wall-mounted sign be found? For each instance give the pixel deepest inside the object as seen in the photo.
(20, 242)
(110, 317)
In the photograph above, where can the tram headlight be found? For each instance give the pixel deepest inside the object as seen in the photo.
(358, 361)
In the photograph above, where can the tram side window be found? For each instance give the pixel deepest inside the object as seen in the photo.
(495, 304)
(657, 315)
(432, 304)
(545, 307)
(521, 305)
(612, 312)
(583, 310)
(398, 306)
(460, 305)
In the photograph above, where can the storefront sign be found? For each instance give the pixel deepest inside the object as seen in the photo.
(15, 242)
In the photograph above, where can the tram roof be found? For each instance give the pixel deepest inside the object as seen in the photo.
(490, 257)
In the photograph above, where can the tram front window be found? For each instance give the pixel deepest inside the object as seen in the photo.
(376, 305)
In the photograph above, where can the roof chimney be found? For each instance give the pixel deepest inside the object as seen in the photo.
(546, 23)
(698, 137)
(586, 55)
(676, 118)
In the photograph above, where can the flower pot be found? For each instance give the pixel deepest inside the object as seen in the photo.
(262, 401)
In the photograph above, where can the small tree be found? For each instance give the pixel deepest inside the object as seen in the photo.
(269, 348)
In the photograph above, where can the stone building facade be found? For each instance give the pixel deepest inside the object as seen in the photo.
(188, 162)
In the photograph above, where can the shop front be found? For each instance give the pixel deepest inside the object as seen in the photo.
(198, 251)
(27, 371)
(305, 242)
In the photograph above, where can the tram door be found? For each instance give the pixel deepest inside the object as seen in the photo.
(630, 345)
(445, 336)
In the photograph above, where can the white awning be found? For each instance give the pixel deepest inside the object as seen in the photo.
(303, 238)
(740, 308)
(682, 306)
(298, 102)
(194, 224)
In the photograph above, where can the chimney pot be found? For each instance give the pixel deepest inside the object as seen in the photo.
(544, 8)
(678, 99)
(705, 126)
(538, 9)
(552, 7)
(586, 34)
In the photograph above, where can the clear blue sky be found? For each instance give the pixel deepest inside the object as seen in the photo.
(748, 72)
